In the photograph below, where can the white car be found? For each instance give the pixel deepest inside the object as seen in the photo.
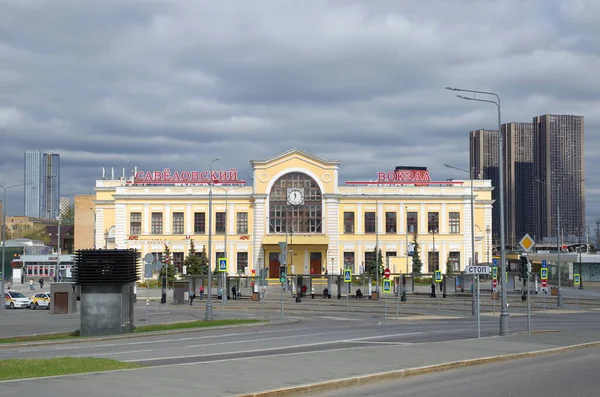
(13, 299)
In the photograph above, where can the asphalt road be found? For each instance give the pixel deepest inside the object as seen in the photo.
(572, 373)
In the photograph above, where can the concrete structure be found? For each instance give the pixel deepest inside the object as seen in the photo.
(42, 184)
(106, 309)
(295, 197)
(559, 163)
(85, 214)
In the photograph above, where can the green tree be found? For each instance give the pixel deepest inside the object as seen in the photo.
(449, 266)
(68, 216)
(197, 265)
(169, 265)
(417, 266)
(33, 232)
(371, 266)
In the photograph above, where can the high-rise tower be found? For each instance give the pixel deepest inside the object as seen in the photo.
(558, 159)
(42, 184)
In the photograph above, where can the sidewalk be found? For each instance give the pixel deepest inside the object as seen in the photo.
(303, 371)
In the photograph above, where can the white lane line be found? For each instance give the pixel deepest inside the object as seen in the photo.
(113, 353)
(260, 339)
(276, 348)
(341, 318)
(384, 343)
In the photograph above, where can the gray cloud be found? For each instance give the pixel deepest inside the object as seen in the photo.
(177, 83)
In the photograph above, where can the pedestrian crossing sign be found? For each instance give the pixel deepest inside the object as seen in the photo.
(347, 276)
(387, 285)
(222, 264)
(438, 276)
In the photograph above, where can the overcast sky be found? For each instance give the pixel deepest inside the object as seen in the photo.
(177, 83)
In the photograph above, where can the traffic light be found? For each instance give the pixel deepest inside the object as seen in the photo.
(524, 268)
(282, 273)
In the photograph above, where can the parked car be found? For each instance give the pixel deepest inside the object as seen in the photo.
(41, 299)
(13, 299)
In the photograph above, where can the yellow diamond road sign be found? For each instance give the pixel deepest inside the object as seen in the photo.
(527, 242)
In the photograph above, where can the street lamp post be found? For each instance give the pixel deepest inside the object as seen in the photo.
(94, 231)
(559, 298)
(433, 294)
(471, 173)
(504, 311)
(3, 234)
(208, 315)
(376, 243)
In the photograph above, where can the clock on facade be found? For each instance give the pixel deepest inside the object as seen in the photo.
(295, 196)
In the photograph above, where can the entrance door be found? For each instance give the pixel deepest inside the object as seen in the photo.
(315, 263)
(273, 265)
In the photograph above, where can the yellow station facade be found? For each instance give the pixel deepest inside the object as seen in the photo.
(297, 198)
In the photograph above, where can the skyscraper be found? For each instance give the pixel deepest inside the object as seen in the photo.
(558, 159)
(42, 184)
(519, 181)
(483, 146)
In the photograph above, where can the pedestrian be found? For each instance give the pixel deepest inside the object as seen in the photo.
(41, 283)
(31, 286)
(234, 292)
(201, 292)
(192, 296)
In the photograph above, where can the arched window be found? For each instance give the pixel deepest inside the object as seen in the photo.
(306, 217)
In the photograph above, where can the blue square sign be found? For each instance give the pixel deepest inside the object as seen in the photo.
(222, 264)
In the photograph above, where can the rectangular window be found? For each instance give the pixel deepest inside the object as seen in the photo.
(242, 223)
(433, 222)
(433, 261)
(412, 222)
(369, 260)
(178, 261)
(454, 261)
(157, 223)
(454, 222)
(242, 262)
(390, 222)
(369, 222)
(390, 254)
(220, 223)
(349, 261)
(135, 223)
(199, 223)
(177, 222)
(349, 222)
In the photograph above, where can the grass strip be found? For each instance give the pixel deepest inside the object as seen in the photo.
(42, 337)
(190, 324)
(38, 367)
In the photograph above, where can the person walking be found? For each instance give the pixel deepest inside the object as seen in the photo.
(234, 292)
(192, 296)
(201, 292)
(31, 285)
(41, 283)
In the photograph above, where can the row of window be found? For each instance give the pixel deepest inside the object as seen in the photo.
(177, 260)
(391, 224)
(156, 226)
(433, 262)
(283, 222)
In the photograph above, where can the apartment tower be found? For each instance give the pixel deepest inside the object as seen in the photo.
(42, 184)
(558, 160)
(519, 181)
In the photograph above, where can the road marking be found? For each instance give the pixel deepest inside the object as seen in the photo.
(385, 343)
(112, 354)
(261, 339)
(341, 318)
(275, 348)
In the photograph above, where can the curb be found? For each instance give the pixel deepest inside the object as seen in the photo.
(325, 386)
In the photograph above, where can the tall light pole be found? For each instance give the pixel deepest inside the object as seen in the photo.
(208, 315)
(504, 310)
(2, 277)
(224, 295)
(473, 303)
(376, 243)
(559, 298)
